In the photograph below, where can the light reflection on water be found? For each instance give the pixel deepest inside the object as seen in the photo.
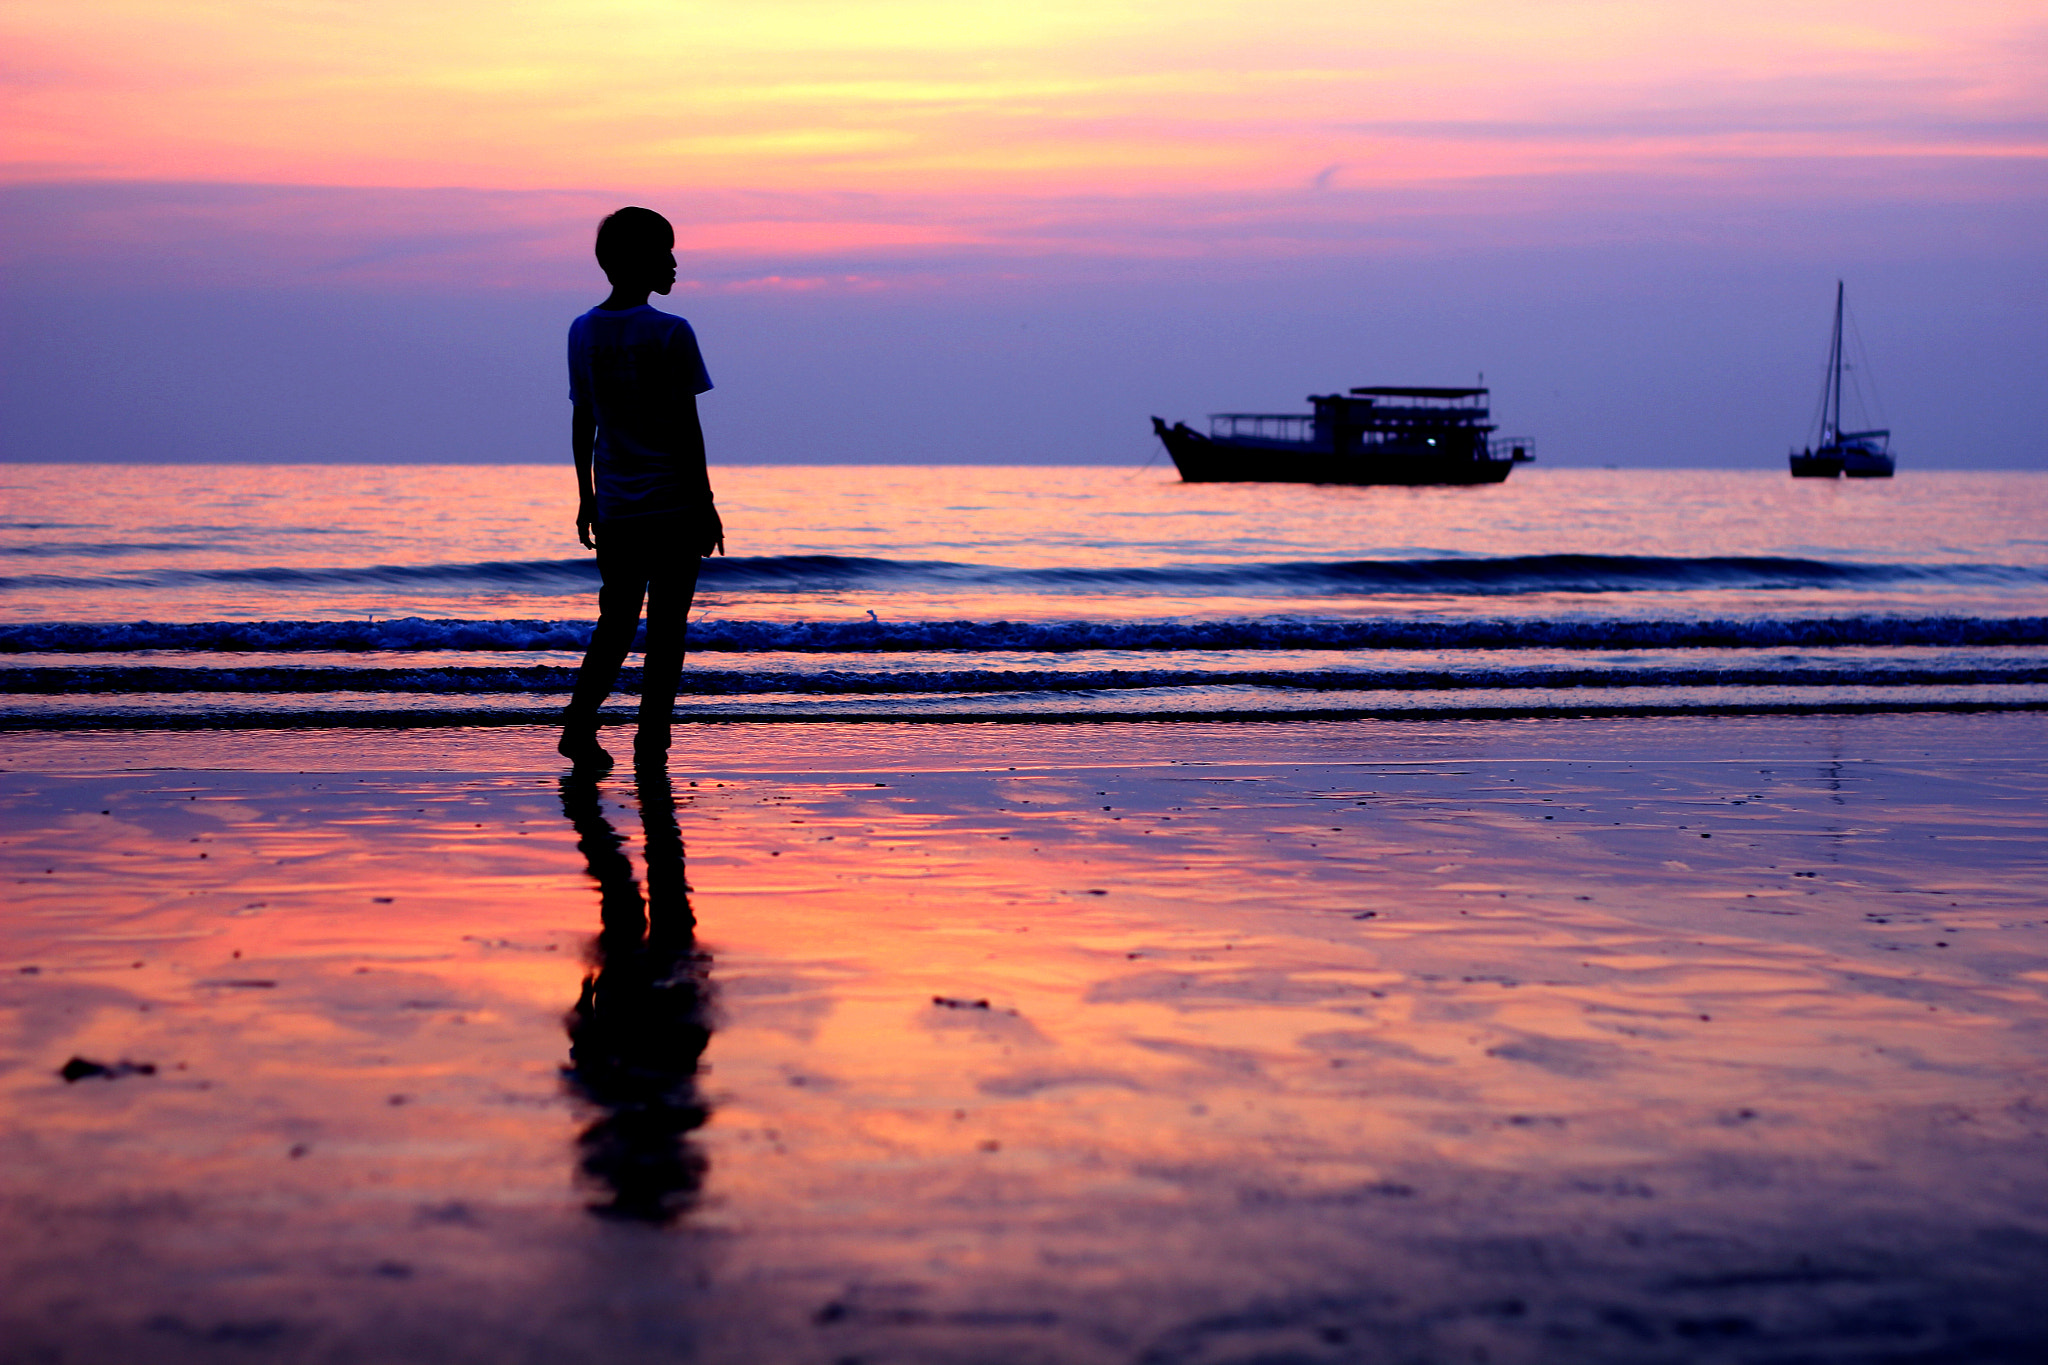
(851, 574)
(325, 517)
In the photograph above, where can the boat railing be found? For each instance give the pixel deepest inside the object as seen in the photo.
(1512, 448)
(1396, 419)
(1269, 426)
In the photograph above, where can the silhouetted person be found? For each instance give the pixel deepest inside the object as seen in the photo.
(639, 1028)
(644, 496)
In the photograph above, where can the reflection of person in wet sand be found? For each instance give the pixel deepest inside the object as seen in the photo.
(643, 494)
(638, 1031)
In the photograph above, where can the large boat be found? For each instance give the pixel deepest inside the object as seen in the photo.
(1839, 453)
(1366, 436)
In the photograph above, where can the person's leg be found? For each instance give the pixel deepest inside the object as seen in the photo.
(618, 619)
(671, 585)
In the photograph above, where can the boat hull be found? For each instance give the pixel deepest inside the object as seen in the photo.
(1812, 466)
(1203, 460)
(1844, 461)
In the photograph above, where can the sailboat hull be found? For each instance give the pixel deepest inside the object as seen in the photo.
(1807, 465)
(1847, 462)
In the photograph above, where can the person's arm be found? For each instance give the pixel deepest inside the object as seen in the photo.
(693, 456)
(583, 440)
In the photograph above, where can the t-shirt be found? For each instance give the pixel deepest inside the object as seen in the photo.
(634, 367)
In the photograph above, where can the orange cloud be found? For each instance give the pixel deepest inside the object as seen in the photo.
(1057, 98)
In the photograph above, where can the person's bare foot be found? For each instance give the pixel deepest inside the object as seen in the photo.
(650, 748)
(584, 753)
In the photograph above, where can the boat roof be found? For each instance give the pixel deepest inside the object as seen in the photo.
(1384, 391)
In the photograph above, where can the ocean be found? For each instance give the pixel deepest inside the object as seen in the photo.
(134, 595)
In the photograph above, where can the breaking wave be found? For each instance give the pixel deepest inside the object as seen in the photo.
(1500, 575)
(416, 634)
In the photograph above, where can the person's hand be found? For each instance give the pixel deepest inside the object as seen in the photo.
(586, 518)
(714, 536)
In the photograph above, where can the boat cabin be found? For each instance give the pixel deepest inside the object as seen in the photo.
(1424, 421)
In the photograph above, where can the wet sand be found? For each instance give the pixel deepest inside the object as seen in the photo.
(1711, 1039)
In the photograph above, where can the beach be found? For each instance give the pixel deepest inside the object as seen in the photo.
(1692, 1038)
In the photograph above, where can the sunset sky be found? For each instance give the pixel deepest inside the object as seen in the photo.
(1532, 189)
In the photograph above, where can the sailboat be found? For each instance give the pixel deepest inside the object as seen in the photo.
(1846, 454)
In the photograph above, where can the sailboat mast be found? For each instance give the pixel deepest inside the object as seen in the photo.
(1832, 420)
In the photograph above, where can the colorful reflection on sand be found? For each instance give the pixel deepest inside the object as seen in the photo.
(1164, 1059)
(642, 1020)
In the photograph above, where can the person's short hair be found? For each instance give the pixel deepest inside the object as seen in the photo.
(629, 237)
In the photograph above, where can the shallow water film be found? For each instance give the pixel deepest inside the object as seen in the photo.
(1661, 1040)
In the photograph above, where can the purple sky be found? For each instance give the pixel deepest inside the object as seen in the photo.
(1620, 327)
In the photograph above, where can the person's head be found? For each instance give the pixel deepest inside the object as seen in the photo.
(636, 249)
